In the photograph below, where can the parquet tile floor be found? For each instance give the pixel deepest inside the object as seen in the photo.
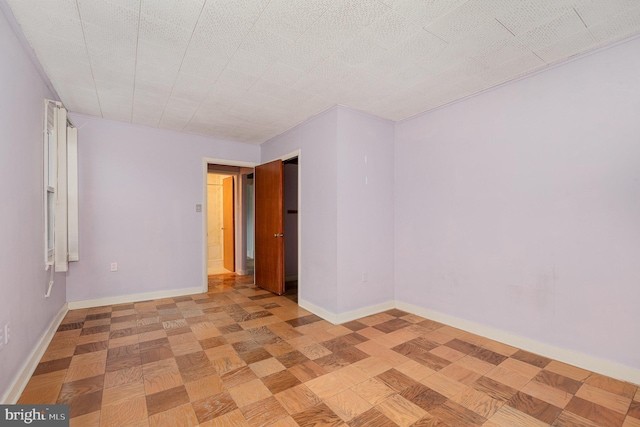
(240, 356)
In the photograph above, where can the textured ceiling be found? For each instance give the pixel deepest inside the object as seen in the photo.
(248, 70)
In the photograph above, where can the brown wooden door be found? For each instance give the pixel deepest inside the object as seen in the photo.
(269, 245)
(228, 225)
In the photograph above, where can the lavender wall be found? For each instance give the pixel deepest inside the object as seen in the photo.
(365, 210)
(519, 208)
(138, 191)
(24, 280)
(346, 225)
(316, 139)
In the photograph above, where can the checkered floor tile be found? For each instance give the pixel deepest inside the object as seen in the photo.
(240, 356)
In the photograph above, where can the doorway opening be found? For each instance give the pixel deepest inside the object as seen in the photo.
(290, 226)
(245, 182)
(220, 223)
(226, 225)
(250, 221)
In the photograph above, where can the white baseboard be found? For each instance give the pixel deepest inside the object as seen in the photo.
(73, 305)
(581, 360)
(337, 319)
(22, 379)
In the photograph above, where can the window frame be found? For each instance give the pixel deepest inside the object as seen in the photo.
(50, 175)
(60, 188)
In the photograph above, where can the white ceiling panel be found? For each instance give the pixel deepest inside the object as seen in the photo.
(203, 63)
(473, 84)
(341, 23)
(248, 9)
(513, 69)
(408, 76)
(392, 29)
(360, 51)
(249, 63)
(183, 13)
(219, 28)
(201, 128)
(160, 89)
(251, 69)
(619, 26)
(559, 28)
(163, 75)
(426, 12)
(110, 100)
(569, 46)
(127, 4)
(109, 89)
(461, 22)
(594, 12)
(386, 64)
(63, 7)
(191, 87)
(489, 34)
(144, 119)
(116, 16)
(422, 48)
(499, 52)
(358, 13)
(237, 82)
(171, 37)
(113, 68)
(81, 95)
(331, 70)
(380, 108)
(111, 41)
(291, 22)
(66, 26)
(154, 54)
(80, 76)
(52, 51)
(524, 15)
(150, 100)
(358, 82)
(317, 86)
(88, 108)
(461, 72)
(283, 74)
(245, 110)
(265, 43)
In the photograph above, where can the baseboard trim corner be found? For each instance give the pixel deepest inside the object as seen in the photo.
(122, 299)
(22, 379)
(571, 357)
(348, 316)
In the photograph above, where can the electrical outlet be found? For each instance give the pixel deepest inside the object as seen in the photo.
(364, 277)
(7, 333)
(114, 266)
(198, 208)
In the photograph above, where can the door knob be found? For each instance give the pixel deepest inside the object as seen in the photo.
(278, 235)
